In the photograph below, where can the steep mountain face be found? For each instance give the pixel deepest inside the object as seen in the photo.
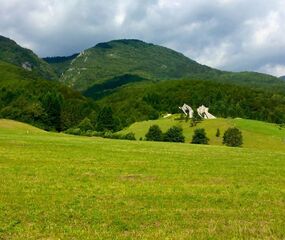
(283, 77)
(117, 58)
(12, 53)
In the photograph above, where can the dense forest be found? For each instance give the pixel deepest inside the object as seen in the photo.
(46, 104)
(150, 100)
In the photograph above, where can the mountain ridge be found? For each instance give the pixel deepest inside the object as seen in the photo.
(108, 60)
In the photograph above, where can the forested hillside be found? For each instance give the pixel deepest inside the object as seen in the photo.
(142, 101)
(46, 104)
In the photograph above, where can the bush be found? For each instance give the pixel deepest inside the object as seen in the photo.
(233, 137)
(218, 133)
(74, 131)
(85, 125)
(129, 136)
(174, 134)
(200, 136)
(154, 134)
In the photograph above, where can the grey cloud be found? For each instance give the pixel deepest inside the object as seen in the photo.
(228, 34)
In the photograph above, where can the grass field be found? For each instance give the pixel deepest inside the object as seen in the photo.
(55, 186)
(256, 134)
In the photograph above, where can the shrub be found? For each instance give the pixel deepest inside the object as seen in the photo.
(200, 136)
(85, 125)
(174, 134)
(233, 137)
(154, 134)
(73, 131)
(129, 136)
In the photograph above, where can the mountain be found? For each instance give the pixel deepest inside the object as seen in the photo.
(283, 77)
(47, 104)
(117, 60)
(106, 61)
(11, 52)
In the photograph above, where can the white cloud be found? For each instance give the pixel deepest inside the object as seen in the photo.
(276, 70)
(230, 34)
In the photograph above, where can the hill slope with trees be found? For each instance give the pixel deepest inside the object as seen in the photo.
(46, 104)
(142, 101)
(12, 53)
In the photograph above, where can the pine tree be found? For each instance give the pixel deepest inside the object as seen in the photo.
(174, 134)
(154, 134)
(52, 104)
(218, 133)
(105, 120)
(200, 136)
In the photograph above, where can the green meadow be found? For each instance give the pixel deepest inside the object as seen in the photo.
(256, 134)
(56, 186)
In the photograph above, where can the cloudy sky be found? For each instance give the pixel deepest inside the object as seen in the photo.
(227, 34)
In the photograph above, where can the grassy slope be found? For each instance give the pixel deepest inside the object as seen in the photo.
(256, 134)
(57, 186)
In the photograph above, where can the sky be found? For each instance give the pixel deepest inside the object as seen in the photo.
(233, 35)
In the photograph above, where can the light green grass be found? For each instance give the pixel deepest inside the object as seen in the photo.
(55, 186)
(256, 134)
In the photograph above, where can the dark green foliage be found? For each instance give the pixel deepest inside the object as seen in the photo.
(105, 120)
(74, 131)
(200, 136)
(135, 102)
(98, 91)
(85, 125)
(154, 134)
(233, 137)
(174, 134)
(129, 136)
(218, 133)
(45, 104)
(52, 106)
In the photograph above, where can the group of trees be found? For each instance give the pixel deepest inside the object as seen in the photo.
(173, 134)
(102, 122)
(232, 136)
